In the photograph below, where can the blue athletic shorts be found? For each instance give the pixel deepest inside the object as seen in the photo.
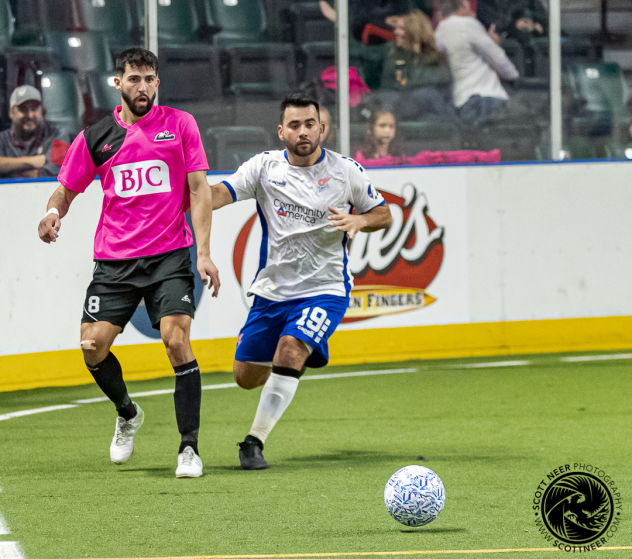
(311, 319)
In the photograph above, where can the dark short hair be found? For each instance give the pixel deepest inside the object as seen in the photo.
(448, 7)
(298, 100)
(136, 58)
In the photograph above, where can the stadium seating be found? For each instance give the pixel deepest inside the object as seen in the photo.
(575, 148)
(26, 64)
(80, 50)
(191, 81)
(35, 18)
(265, 69)
(178, 22)
(320, 55)
(431, 135)
(228, 147)
(63, 100)
(101, 96)
(101, 90)
(239, 22)
(515, 53)
(618, 151)
(516, 139)
(6, 24)
(309, 25)
(602, 88)
(574, 48)
(118, 20)
(253, 62)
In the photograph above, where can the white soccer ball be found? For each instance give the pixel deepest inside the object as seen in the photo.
(414, 496)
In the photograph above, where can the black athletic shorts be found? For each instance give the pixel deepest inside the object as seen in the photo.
(165, 281)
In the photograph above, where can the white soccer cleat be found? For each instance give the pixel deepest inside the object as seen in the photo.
(122, 445)
(189, 464)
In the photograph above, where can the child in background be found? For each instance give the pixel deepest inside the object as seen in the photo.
(381, 147)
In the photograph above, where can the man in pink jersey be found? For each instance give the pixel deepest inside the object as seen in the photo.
(152, 167)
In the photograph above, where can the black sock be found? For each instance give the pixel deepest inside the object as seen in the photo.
(188, 399)
(288, 371)
(109, 377)
(193, 445)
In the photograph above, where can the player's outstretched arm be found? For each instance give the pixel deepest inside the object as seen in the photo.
(374, 220)
(202, 217)
(221, 196)
(57, 208)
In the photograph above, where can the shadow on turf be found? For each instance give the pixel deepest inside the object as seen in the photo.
(434, 531)
(352, 456)
(154, 472)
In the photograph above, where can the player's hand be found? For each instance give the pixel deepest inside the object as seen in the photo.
(346, 222)
(49, 228)
(209, 273)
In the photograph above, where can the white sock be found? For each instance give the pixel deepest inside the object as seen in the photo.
(276, 396)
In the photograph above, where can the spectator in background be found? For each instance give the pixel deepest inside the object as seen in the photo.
(381, 147)
(370, 24)
(416, 77)
(522, 20)
(32, 147)
(328, 136)
(477, 62)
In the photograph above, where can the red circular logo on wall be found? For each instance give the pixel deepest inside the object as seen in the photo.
(392, 268)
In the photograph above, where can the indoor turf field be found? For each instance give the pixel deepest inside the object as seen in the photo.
(492, 433)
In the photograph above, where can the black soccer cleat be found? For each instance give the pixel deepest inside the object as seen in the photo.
(251, 455)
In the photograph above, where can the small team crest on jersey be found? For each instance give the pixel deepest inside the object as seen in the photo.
(372, 193)
(277, 183)
(164, 136)
(322, 184)
(281, 211)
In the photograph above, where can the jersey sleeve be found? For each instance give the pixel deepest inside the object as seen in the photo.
(194, 154)
(243, 184)
(364, 196)
(78, 169)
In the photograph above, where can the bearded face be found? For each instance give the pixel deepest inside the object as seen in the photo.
(26, 119)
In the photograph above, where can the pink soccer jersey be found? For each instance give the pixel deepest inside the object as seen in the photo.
(143, 170)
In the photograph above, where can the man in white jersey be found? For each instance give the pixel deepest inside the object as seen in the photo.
(305, 198)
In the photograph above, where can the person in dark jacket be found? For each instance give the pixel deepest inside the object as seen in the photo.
(522, 20)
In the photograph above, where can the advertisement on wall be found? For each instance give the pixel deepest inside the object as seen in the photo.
(412, 274)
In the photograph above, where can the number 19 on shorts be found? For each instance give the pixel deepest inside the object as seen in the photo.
(314, 324)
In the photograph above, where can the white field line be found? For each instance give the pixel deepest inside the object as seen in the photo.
(597, 357)
(233, 385)
(4, 527)
(11, 550)
(490, 364)
(360, 374)
(33, 411)
(154, 393)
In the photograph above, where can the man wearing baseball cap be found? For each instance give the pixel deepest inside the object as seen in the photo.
(32, 147)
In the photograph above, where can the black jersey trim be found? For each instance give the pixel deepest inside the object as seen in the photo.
(104, 139)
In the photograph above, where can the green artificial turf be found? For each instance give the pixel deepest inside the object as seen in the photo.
(491, 434)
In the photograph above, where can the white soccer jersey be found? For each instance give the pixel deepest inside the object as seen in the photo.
(301, 254)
